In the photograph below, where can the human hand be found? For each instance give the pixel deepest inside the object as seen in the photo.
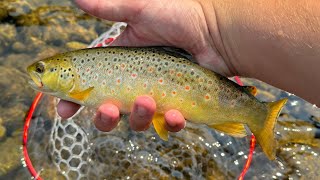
(163, 22)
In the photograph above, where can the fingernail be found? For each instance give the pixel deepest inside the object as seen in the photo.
(104, 118)
(141, 111)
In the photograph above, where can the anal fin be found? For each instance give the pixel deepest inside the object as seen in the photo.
(160, 126)
(232, 129)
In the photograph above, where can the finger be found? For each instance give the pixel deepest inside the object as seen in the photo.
(119, 10)
(142, 113)
(107, 117)
(67, 109)
(174, 121)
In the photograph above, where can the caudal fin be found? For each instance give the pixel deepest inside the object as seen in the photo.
(265, 136)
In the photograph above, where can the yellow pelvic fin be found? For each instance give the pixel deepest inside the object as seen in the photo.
(251, 89)
(232, 129)
(265, 136)
(160, 126)
(82, 95)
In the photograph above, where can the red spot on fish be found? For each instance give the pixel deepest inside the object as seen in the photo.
(83, 80)
(174, 93)
(163, 94)
(187, 88)
(118, 81)
(193, 103)
(151, 93)
(144, 85)
(210, 82)
(171, 71)
(160, 81)
(207, 97)
(133, 75)
(88, 69)
(179, 74)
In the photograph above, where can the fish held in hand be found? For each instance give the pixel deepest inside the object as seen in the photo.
(91, 77)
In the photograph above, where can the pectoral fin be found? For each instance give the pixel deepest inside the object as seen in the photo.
(159, 125)
(232, 129)
(251, 89)
(81, 95)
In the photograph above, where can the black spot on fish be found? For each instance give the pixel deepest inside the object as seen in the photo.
(87, 54)
(166, 63)
(72, 75)
(61, 75)
(82, 61)
(64, 70)
(93, 58)
(88, 60)
(74, 59)
(69, 69)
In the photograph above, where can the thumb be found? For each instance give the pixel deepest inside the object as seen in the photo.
(118, 10)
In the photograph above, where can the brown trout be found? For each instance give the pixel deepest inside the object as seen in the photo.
(91, 77)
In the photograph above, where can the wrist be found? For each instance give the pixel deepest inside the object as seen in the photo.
(214, 21)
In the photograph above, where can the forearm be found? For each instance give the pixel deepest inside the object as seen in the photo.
(276, 41)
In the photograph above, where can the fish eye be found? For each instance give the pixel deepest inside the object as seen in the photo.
(40, 67)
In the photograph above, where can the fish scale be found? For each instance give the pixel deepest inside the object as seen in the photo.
(91, 77)
(164, 76)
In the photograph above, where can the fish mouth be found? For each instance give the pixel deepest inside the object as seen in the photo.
(35, 81)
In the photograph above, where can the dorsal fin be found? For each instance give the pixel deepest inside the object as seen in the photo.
(251, 89)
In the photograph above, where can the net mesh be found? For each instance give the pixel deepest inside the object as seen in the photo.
(75, 149)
